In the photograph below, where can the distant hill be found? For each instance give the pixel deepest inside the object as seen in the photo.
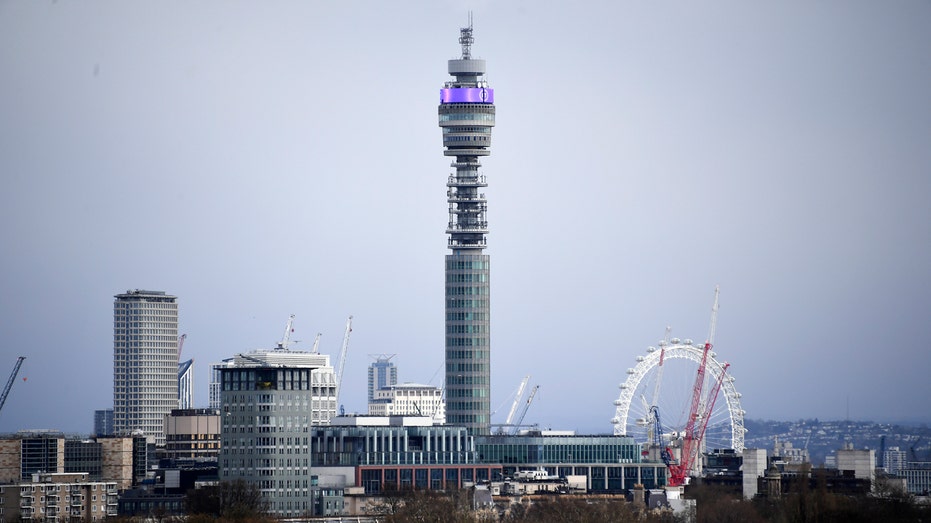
(822, 438)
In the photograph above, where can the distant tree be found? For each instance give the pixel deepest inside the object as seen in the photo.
(714, 504)
(400, 506)
(581, 509)
(227, 501)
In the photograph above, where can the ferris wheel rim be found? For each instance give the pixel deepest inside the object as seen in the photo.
(693, 353)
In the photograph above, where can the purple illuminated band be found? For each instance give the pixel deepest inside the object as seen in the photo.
(473, 95)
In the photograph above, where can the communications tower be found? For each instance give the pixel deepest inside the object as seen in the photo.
(466, 116)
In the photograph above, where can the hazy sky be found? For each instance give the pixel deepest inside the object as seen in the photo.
(258, 159)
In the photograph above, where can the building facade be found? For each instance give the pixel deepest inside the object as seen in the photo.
(382, 373)
(409, 399)
(466, 117)
(28, 453)
(268, 401)
(186, 384)
(608, 463)
(215, 378)
(103, 422)
(192, 434)
(145, 361)
(380, 453)
(58, 497)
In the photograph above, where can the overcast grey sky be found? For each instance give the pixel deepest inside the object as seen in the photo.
(259, 159)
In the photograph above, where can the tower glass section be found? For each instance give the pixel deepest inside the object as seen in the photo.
(382, 373)
(145, 361)
(466, 117)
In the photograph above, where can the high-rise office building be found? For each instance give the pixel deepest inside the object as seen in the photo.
(466, 116)
(145, 361)
(382, 373)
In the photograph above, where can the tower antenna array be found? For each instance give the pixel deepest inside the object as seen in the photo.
(466, 40)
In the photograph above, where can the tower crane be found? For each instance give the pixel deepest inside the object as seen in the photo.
(316, 343)
(9, 383)
(700, 410)
(181, 339)
(517, 397)
(523, 411)
(286, 339)
(342, 358)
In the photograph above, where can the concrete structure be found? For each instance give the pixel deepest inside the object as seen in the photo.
(409, 399)
(466, 116)
(58, 497)
(894, 460)
(753, 468)
(145, 362)
(917, 476)
(269, 399)
(785, 451)
(861, 462)
(103, 422)
(186, 384)
(192, 434)
(118, 459)
(382, 373)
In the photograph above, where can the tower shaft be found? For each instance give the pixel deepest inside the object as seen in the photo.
(466, 117)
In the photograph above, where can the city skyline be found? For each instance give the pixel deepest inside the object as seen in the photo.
(284, 160)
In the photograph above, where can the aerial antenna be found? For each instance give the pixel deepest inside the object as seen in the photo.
(465, 39)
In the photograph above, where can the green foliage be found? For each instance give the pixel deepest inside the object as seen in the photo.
(235, 501)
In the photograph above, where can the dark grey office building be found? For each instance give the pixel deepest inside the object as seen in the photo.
(466, 116)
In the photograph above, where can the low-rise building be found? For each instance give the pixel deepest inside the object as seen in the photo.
(409, 399)
(192, 434)
(58, 497)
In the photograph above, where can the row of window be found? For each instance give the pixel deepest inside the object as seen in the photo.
(452, 354)
(459, 264)
(467, 393)
(466, 367)
(466, 291)
(469, 328)
(452, 381)
(466, 342)
(457, 303)
(466, 316)
(480, 117)
(461, 129)
(447, 139)
(458, 277)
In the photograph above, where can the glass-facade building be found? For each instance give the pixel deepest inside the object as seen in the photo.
(611, 463)
(145, 362)
(381, 373)
(466, 117)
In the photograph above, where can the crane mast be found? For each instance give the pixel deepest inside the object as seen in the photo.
(520, 393)
(286, 338)
(342, 357)
(9, 383)
(698, 412)
(523, 411)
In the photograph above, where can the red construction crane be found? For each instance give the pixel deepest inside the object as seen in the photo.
(700, 412)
